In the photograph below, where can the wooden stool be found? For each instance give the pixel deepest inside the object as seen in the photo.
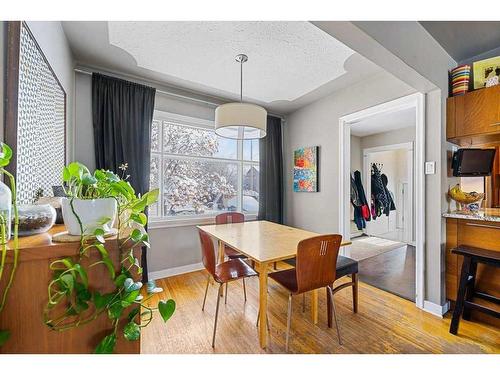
(472, 256)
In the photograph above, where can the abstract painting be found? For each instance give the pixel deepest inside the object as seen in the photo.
(305, 169)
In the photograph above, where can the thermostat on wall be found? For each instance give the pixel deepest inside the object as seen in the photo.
(430, 167)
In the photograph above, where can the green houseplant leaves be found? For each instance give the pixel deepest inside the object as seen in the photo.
(125, 306)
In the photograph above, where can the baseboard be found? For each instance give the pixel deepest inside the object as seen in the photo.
(155, 275)
(435, 309)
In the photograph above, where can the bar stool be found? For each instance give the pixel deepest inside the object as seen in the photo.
(466, 290)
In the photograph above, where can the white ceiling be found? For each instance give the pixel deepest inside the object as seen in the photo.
(290, 63)
(384, 122)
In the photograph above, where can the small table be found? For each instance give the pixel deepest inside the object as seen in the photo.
(264, 243)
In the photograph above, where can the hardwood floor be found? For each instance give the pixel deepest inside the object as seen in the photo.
(385, 323)
(392, 271)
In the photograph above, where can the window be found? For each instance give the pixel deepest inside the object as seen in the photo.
(199, 173)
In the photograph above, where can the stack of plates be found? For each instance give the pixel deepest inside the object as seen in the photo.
(460, 80)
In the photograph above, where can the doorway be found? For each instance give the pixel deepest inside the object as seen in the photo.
(400, 235)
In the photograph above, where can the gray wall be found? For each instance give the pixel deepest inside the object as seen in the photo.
(388, 138)
(356, 154)
(171, 247)
(52, 40)
(317, 124)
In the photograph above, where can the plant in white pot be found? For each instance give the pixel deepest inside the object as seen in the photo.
(91, 199)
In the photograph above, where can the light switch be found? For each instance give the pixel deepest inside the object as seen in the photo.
(430, 167)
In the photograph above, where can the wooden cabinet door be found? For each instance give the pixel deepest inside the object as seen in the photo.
(481, 112)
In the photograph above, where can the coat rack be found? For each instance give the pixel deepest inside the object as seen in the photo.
(378, 165)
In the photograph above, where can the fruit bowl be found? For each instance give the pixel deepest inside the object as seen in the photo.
(463, 198)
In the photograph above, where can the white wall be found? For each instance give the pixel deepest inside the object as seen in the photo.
(317, 124)
(356, 154)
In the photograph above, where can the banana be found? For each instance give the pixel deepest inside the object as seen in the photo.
(460, 196)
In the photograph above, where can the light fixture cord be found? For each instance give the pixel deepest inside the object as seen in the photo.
(241, 81)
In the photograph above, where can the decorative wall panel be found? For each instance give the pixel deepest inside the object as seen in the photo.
(41, 122)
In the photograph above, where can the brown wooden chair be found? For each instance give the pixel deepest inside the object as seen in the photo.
(316, 268)
(222, 273)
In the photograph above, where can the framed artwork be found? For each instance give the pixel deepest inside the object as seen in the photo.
(486, 72)
(35, 116)
(305, 169)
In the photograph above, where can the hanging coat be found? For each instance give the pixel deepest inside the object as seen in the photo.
(381, 200)
(391, 206)
(362, 197)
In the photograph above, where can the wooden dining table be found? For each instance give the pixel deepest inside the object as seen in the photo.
(263, 242)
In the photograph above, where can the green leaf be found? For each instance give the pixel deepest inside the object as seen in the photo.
(133, 314)
(115, 311)
(83, 274)
(131, 296)
(99, 175)
(99, 235)
(166, 309)
(107, 345)
(82, 293)
(5, 154)
(68, 281)
(132, 331)
(139, 218)
(4, 336)
(66, 174)
(100, 301)
(88, 179)
(136, 235)
(120, 279)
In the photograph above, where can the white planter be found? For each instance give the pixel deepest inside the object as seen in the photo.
(91, 212)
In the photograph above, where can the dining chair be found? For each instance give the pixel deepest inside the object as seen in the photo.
(316, 264)
(228, 218)
(222, 273)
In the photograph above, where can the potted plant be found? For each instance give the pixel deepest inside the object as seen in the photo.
(70, 287)
(7, 199)
(89, 199)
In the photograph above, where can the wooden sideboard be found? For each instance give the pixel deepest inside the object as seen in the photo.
(22, 314)
(478, 233)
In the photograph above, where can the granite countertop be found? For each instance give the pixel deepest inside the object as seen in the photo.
(487, 214)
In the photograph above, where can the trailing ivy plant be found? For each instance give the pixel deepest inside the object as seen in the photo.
(72, 302)
(5, 156)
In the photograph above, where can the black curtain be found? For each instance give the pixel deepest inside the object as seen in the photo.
(122, 114)
(271, 173)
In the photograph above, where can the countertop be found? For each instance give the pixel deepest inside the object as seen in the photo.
(487, 214)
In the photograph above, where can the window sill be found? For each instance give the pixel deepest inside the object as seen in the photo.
(189, 222)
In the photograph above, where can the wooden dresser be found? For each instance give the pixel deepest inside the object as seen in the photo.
(481, 231)
(22, 314)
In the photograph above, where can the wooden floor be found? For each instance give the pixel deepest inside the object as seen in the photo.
(385, 323)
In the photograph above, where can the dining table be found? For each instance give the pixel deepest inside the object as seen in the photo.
(264, 243)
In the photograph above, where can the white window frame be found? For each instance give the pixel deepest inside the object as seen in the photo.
(191, 220)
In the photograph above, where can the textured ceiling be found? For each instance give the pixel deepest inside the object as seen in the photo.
(465, 39)
(290, 63)
(384, 122)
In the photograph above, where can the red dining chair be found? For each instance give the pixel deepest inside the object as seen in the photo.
(315, 268)
(228, 218)
(222, 273)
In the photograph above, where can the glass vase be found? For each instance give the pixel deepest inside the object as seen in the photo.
(5, 212)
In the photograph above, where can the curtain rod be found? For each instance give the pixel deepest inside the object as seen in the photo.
(185, 97)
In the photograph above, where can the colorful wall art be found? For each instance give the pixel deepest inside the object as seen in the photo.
(305, 169)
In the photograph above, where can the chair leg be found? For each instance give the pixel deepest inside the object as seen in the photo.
(267, 321)
(354, 277)
(469, 290)
(303, 302)
(288, 322)
(206, 291)
(244, 290)
(225, 297)
(216, 314)
(459, 304)
(328, 308)
(275, 266)
(335, 314)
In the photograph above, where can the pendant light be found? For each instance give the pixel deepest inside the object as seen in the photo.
(240, 120)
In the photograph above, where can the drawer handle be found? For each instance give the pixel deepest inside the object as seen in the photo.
(482, 225)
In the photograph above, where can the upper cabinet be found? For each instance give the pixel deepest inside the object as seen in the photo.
(474, 118)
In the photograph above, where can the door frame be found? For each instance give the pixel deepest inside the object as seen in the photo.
(408, 147)
(416, 101)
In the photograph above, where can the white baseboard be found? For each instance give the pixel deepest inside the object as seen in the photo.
(155, 275)
(435, 309)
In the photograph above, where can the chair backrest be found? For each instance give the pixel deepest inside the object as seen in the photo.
(229, 217)
(317, 261)
(207, 252)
